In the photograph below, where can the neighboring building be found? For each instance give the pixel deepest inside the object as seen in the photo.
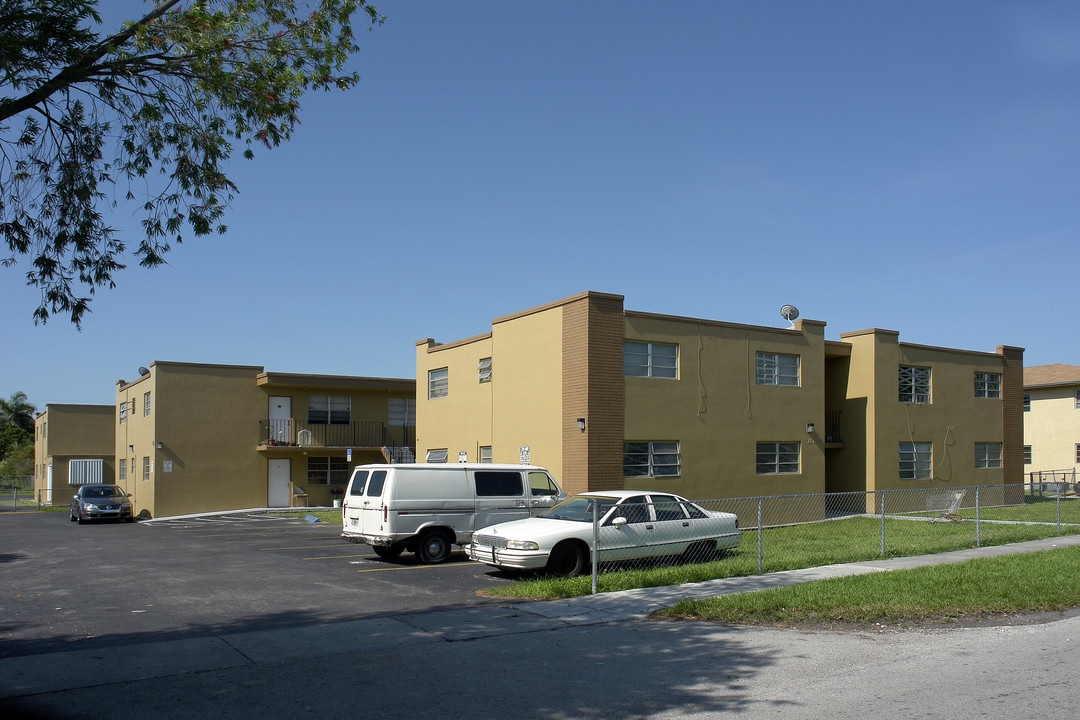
(1052, 421)
(613, 398)
(192, 438)
(73, 444)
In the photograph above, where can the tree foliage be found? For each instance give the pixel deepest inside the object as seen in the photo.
(148, 116)
(16, 423)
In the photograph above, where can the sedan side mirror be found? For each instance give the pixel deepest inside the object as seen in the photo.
(619, 521)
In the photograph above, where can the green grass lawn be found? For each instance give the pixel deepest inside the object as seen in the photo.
(792, 547)
(974, 590)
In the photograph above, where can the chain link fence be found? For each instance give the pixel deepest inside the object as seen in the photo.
(17, 493)
(797, 531)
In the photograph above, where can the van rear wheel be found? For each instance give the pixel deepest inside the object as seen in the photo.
(433, 548)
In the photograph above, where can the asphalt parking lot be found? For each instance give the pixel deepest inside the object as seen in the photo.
(68, 586)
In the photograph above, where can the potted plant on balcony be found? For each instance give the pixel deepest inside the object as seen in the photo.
(336, 491)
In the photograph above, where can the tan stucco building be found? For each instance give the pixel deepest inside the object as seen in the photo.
(192, 438)
(611, 398)
(1052, 420)
(73, 444)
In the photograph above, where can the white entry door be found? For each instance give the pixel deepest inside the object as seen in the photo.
(280, 418)
(277, 492)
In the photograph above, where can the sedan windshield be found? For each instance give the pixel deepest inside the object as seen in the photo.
(580, 508)
(103, 492)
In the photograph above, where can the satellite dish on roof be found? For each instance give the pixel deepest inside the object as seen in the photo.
(789, 313)
(144, 371)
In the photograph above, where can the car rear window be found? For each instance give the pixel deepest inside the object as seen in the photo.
(490, 483)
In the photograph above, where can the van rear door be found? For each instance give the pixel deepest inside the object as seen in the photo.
(354, 499)
(371, 505)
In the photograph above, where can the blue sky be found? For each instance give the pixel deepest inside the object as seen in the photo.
(909, 165)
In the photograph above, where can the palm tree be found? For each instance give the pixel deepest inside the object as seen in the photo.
(17, 411)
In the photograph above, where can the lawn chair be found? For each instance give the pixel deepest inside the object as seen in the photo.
(946, 503)
(299, 496)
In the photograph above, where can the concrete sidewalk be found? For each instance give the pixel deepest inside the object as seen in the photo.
(34, 674)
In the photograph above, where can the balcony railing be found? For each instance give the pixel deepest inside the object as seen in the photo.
(832, 427)
(357, 433)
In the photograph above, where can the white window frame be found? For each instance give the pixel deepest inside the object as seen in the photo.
(483, 370)
(777, 369)
(121, 469)
(438, 383)
(439, 455)
(649, 359)
(146, 404)
(1076, 399)
(123, 412)
(1027, 454)
(987, 385)
(1027, 402)
(778, 458)
(656, 458)
(988, 455)
(485, 454)
(146, 467)
(916, 460)
(913, 384)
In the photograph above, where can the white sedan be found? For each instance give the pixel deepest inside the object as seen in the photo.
(632, 524)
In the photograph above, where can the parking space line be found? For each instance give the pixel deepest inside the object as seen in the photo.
(416, 567)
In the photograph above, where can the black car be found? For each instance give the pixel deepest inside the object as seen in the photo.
(101, 502)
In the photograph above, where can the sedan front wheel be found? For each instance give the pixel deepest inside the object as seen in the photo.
(567, 560)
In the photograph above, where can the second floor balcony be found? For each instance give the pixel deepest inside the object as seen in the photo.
(290, 432)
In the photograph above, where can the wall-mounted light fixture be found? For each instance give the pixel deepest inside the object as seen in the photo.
(581, 424)
(809, 428)
(158, 443)
(131, 448)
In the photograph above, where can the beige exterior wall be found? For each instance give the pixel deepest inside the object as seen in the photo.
(559, 362)
(1052, 428)
(71, 432)
(718, 413)
(205, 419)
(953, 421)
(550, 365)
(462, 420)
(205, 440)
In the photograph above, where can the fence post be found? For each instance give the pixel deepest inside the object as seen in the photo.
(883, 494)
(595, 544)
(1059, 494)
(760, 564)
(978, 525)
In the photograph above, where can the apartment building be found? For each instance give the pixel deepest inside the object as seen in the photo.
(613, 398)
(193, 438)
(1052, 421)
(73, 444)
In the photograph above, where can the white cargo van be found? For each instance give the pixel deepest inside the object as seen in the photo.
(428, 508)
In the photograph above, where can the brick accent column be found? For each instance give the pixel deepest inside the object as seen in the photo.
(1012, 418)
(593, 388)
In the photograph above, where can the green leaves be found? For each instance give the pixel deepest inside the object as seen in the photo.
(154, 108)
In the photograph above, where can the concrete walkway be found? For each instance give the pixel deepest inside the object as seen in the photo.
(35, 674)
